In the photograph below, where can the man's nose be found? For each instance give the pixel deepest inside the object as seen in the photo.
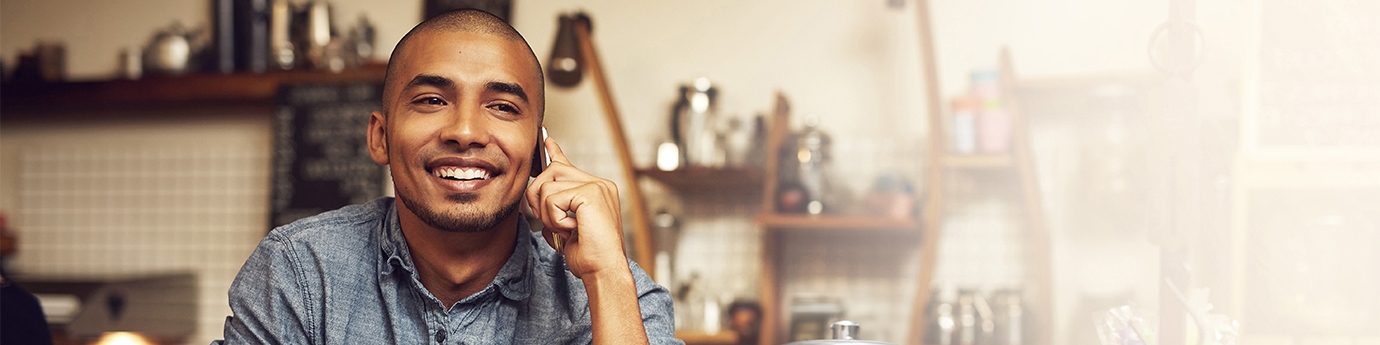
(468, 127)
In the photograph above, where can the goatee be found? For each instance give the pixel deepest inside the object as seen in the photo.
(459, 222)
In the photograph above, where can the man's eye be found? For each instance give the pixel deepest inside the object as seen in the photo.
(505, 108)
(429, 101)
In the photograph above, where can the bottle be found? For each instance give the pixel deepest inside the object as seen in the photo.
(667, 232)
(993, 119)
(942, 328)
(967, 318)
(1007, 311)
(965, 111)
(994, 128)
(932, 324)
(813, 148)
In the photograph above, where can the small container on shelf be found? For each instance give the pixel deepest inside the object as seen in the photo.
(965, 110)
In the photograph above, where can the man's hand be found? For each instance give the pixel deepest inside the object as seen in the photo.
(583, 210)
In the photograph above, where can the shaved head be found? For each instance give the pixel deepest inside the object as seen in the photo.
(465, 20)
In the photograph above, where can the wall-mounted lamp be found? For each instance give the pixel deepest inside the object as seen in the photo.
(567, 64)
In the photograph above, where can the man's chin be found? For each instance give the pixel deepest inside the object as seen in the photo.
(465, 217)
(463, 198)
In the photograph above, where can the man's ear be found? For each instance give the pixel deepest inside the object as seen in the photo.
(378, 137)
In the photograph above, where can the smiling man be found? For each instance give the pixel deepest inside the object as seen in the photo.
(451, 260)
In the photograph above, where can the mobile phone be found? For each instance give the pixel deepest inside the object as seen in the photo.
(540, 159)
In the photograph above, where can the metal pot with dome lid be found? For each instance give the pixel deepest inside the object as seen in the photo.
(844, 333)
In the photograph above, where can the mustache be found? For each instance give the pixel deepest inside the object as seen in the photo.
(491, 157)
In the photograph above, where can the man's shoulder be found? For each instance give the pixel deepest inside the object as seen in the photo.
(346, 227)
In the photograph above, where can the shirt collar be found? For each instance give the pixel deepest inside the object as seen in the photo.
(392, 244)
(511, 280)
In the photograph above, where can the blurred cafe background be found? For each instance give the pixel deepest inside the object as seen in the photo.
(947, 172)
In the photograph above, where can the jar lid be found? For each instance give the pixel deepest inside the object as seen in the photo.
(843, 333)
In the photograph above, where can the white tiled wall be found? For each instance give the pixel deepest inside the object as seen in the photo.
(872, 274)
(142, 199)
(983, 241)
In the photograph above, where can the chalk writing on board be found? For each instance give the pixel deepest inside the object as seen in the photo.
(1319, 74)
(321, 156)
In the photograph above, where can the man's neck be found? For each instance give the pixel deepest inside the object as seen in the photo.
(455, 265)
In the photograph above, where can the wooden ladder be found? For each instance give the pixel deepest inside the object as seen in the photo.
(939, 161)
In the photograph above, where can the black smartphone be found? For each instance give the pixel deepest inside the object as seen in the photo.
(540, 159)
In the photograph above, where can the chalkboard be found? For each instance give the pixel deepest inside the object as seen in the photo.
(1319, 75)
(1312, 265)
(321, 157)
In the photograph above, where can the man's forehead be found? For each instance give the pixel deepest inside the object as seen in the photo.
(420, 48)
(427, 45)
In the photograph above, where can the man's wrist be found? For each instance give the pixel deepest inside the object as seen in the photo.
(613, 306)
(608, 275)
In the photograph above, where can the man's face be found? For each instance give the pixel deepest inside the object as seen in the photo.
(460, 130)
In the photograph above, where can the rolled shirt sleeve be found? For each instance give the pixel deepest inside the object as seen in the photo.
(658, 317)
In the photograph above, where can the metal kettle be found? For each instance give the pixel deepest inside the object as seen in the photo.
(171, 51)
(694, 125)
(806, 163)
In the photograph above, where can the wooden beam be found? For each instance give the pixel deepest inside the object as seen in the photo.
(932, 216)
(642, 232)
(773, 322)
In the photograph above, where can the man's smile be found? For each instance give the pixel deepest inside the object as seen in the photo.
(462, 175)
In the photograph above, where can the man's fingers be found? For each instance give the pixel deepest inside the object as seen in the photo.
(564, 198)
(537, 192)
(560, 168)
(533, 194)
(554, 150)
(560, 208)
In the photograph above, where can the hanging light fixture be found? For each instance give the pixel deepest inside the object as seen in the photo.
(567, 64)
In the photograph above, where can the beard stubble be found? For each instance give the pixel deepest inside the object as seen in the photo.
(458, 220)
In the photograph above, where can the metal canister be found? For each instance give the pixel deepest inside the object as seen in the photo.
(1007, 314)
(814, 154)
(844, 333)
(976, 319)
(693, 122)
(940, 315)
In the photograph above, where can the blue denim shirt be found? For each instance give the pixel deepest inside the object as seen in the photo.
(346, 277)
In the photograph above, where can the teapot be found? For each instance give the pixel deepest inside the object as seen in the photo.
(171, 50)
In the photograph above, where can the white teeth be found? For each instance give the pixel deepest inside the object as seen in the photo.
(455, 173)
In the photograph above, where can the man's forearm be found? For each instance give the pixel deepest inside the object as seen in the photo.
(613, 309)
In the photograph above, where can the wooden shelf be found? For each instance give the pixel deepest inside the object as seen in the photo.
(708, 180)
(829, 222)
(701, 338)
(199, 89)
(977, 161)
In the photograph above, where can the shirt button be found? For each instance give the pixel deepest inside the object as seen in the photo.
(441, 336)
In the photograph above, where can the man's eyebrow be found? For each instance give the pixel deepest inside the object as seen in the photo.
(430, 80)
(509, 88)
